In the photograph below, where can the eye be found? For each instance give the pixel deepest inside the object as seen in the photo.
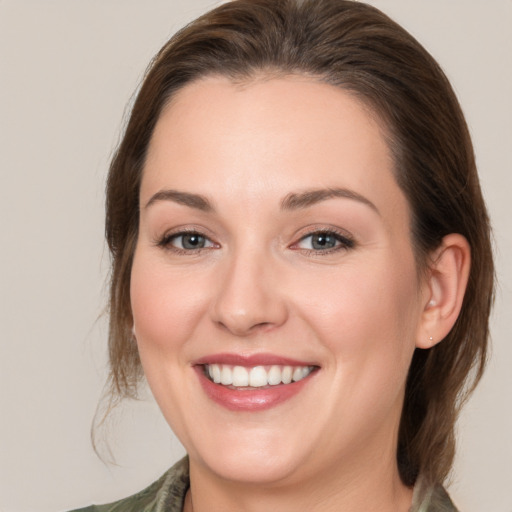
(324, 241)
(186, 241)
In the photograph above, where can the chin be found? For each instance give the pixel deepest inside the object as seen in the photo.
(250, 455)
(256, 467)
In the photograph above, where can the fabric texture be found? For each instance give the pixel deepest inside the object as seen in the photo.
(167, 494)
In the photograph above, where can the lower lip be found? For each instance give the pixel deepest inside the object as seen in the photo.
(255, 399)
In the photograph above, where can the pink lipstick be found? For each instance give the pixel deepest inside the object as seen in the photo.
(252, 383)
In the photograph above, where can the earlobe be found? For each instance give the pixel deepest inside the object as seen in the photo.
(445, 287)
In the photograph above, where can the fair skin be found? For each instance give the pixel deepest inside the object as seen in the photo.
(236, 266)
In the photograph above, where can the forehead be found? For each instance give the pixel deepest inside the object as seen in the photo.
(269, 136)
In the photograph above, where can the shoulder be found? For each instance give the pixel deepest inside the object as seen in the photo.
(432, 498)
(165, 495)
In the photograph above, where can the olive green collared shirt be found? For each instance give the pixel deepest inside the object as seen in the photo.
(167, 494)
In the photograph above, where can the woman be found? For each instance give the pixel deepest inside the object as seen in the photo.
(301, 261)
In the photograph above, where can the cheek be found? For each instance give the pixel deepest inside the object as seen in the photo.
(367, 316)
(166, 307)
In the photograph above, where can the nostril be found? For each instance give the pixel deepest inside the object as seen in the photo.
(239, 328)
(262, 326)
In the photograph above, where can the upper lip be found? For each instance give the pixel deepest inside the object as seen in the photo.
(264, 359)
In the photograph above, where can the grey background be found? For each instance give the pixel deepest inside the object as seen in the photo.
(67, 70)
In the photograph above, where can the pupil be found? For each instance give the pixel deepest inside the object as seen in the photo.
(193, 241)
(323, 241)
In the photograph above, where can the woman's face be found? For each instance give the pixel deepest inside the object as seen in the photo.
(275, 244)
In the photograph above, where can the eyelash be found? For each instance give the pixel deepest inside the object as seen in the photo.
(166, 242)
(343, 242)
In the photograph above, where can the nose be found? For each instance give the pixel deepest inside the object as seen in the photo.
(249, 297)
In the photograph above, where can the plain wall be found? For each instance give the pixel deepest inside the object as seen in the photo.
(67, 70)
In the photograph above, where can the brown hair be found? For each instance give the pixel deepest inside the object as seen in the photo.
(357, 48)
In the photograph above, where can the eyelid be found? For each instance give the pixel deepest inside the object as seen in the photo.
(346, 240)
(165, 241)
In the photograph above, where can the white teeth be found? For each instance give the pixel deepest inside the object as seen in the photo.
(274, 375)
(240, 376)
(297, 374)
(287, 375)
(256, 376)
(215, 373)
(226, 376)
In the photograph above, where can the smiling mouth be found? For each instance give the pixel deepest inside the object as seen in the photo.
(242, 377)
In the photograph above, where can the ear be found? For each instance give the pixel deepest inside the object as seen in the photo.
(445, 285)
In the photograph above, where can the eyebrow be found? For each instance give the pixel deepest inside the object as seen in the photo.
(293, 201)
(296, 201)
(196, 201)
